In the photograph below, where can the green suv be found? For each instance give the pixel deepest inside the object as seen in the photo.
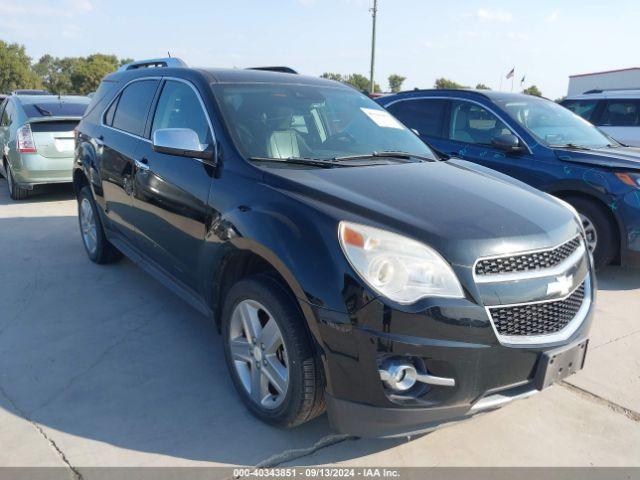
(37, 140)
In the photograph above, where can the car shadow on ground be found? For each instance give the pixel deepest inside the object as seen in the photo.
(106, 353)
(618, 278)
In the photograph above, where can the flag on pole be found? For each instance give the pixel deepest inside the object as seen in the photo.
(523, 79)
(511, 73)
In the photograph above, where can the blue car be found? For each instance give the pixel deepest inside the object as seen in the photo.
(544, 145)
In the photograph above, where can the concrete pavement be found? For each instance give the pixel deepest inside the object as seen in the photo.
(102, 366)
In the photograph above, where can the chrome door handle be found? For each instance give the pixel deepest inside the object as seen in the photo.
(142, 165)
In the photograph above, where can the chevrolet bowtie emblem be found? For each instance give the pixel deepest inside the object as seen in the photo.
(562, 285)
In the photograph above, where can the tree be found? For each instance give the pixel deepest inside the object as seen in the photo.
(532, 90)
(446, 84)
(395, 82)
(88, 72)
(79, 75)
(55, 73)
(332, 76)
(15, 68)
(357, 80)
(482, 86)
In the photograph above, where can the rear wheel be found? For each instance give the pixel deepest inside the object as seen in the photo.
(599, 228)
(98, 248)
(15, 191)
(269, 353)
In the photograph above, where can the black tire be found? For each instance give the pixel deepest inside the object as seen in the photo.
(607, 246)
(104, 251)
(15, 192)
(304, 399)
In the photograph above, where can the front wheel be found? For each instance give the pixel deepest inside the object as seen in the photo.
(599, 228)
(269, 353)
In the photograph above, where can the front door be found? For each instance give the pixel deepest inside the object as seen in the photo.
(171, 192)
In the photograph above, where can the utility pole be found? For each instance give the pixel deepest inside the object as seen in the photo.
(374, 12)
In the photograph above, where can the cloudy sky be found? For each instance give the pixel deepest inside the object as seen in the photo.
(470, 41)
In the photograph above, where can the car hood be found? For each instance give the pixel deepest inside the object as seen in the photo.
(463, 211)
(620, 157)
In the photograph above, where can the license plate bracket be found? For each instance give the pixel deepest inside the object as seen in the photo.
(557, 364)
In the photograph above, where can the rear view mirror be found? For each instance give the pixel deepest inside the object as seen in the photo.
(183, 142)
(507, 142)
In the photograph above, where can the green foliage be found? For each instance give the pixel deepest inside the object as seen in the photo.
(532, 90)
(446, 84)
(88, 72)
(482, 86)
(15, 68)
(358, 80)
(395, 82)
(69, 75)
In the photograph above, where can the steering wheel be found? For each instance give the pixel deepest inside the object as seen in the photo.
(339, 140)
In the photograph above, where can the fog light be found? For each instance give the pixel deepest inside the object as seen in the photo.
(398, 375)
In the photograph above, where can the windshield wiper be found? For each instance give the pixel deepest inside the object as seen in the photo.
(297, 160)
(384, 154)
(570, 145)
(43, 111)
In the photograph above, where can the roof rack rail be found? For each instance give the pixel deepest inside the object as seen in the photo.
(154, 62)
(275, 69)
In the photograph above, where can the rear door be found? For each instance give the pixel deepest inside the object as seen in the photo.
(621, 120)
(171, 192)
(124, 123)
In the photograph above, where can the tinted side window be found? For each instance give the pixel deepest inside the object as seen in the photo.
(108, 116)
(133, 106)
(621, 113)
(424, 116)
(179, 107)
(471, 123)
(584, 108)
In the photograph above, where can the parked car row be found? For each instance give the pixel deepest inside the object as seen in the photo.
(544, 145)
(347, 267)
(397, 263)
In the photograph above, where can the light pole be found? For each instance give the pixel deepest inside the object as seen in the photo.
(374, 12)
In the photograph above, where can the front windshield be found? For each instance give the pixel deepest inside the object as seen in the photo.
(301, 121)
(552, 124)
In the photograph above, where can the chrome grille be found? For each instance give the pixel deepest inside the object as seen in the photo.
(527, 261)
(541, 318)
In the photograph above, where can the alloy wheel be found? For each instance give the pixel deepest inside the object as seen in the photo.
(88, 226)
(590, 231)
(258, 353)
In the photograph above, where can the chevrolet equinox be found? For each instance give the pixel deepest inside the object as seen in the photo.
(346, 266)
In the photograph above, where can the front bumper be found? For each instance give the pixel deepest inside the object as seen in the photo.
(366, 421)
(451, 339)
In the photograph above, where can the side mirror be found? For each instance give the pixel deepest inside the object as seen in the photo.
(507, 142)
(183, 142)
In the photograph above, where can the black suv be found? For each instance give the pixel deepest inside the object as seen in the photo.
(344, 264)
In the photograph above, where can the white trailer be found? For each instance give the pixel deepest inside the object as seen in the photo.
(623, 79)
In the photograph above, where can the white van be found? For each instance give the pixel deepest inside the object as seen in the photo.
(615, 112)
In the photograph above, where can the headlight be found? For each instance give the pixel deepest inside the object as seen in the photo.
(397, 267)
